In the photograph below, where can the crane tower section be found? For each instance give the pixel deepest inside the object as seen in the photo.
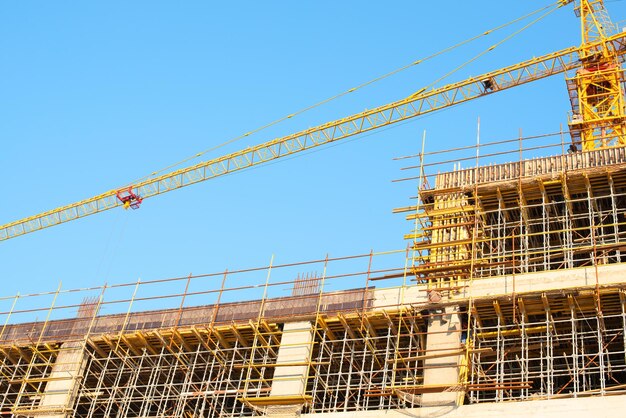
(597, 89)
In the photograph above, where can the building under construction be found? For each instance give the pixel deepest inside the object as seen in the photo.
(511, 298)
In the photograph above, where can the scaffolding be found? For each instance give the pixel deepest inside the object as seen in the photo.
(212, 360)
(504, 218)
(549, 346)
(365, 332)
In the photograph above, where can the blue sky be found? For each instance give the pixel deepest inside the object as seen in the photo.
(97, 94)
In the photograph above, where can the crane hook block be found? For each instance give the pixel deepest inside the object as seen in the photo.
(129, 198)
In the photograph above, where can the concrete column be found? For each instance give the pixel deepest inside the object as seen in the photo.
(295, 353)
(440, 370)
(58, 397)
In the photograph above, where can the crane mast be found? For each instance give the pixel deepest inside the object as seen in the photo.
(597, 120)
(597, 88)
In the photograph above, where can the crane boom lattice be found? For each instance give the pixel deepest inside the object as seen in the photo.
(415, 105)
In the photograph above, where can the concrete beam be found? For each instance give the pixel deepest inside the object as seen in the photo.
(596, 407)
(505, 285)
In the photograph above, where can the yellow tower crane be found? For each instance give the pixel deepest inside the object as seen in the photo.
(596, 92)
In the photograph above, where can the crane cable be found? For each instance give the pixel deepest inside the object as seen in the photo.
(491, 48)
(367, 83)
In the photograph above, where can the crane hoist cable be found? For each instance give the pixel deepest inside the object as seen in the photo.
(430, 85)
(491, 48)
(365, 84)
(389, 74)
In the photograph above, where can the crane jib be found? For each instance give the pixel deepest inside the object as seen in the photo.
(423, 102)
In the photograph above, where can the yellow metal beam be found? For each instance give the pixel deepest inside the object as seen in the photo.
(597, 97)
